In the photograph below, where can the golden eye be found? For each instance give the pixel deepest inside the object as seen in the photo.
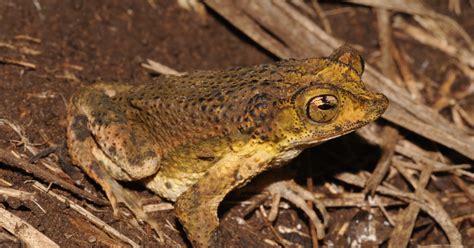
(322, 108)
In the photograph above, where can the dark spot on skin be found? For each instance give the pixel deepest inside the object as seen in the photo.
(133, 139)
(253, 113)
(96, 169)
(260, 105)
(112, 151)
(246, 129)
(168, 185)
(338, 129)
(98, 121)
(150, 154)
(206, 157)
(135, 160)
(79, 127)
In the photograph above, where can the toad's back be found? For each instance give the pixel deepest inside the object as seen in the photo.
(208, 104)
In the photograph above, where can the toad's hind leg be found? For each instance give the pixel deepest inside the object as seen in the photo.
(127, 149)
(80, 143)
(197, 207)
(85, 152)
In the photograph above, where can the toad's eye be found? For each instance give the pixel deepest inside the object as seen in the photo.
(322, 109)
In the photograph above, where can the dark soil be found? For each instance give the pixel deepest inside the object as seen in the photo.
(82, 42)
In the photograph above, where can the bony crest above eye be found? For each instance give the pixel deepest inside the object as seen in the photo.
(322, 108)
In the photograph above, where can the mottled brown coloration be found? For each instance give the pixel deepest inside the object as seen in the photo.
(194, 138)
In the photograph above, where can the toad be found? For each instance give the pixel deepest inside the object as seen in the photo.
(192, 139)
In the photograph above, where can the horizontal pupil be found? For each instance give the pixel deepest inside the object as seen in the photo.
(326, 106)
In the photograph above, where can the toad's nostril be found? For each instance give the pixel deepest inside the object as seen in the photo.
(378, 105)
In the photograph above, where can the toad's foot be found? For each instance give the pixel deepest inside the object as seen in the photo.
(297, 195)
(197, 207)
(117, 194)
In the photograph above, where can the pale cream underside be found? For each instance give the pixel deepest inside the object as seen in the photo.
(251, 159)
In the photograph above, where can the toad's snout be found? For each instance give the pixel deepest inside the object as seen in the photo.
(377, 105)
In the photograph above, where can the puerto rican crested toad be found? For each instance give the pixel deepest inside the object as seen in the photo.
(194, 138)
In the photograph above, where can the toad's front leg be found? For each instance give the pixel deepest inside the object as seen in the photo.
(197, 207)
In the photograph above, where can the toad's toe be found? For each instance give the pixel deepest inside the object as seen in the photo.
(117, 194)
(297, 195)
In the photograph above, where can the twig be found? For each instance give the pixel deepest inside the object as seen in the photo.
(444, 92)
(94, 233)
(435, 209)
(7, 158)
(384, 211)
(447, 168)
(400, 236)
(357, 200)
(417, 8)
(455, 6)
(312, 228)
(22, 49)
(5, 182)
(466, 117)
(164, 206)
(22, 195)
(28, 38)
(460, 183)
(408, 78)
(160, 68)
(439, 43)
(415, 155)
(23, 139)
(386, 44)
(28, 65)
(324, 20)
(391, 139)
(24, 231)
(92, 218)
(429, 205)
(278, 237)
(49, 177)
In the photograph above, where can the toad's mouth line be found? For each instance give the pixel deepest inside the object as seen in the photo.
(305, 143)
